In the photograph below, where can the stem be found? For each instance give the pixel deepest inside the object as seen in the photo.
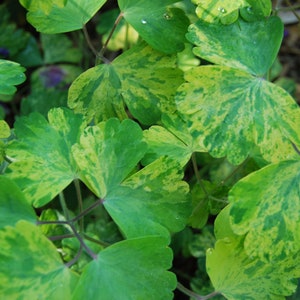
(75, 259)
(87, 210)
(63, 204)
(89, 42)
(53, 222)
(80, 203)
(194, 295)
(99, 242)
(60, 237)
(120, 16)
(293, 9)
(81, 241)
(197, 174)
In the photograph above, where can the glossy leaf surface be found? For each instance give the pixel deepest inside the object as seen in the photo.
(54, 17)
(113, 274)
(233, 112)
(226, 11)
(31, 267)
(149, 18)
(142, 78)
(11, 74)
(251, 47)
(42, 162)
(238, 276)
(13, 205)
(265, 207)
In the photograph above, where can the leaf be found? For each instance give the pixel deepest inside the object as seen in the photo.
(107, 153)
(225, 11)
(256, 10)
(141, 77)
(4, 130)
(59, 48)
(251, 47)
(150, 200)
(13, 205)
(31, 267)
(150, 18)
(115, 278)
(238, 276)
(11, 74)
(42, 162)
(265, 207)
(49, 17)
(249, 112)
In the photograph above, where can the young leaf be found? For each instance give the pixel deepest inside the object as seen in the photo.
(226, 11)
(251, 47)
(11, 74)
(31, 267)
(265, 207)
(172, 140)
(42, 162)
(13, 205)
(238, 276)
(4, 130)
(150, 200)
(232, 111)
(131, 269)
(143, 78)
(52, 17)
(151, 18)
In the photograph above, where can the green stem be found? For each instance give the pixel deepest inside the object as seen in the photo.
(197, 174)
(194, 295)
(99, 242)
(80, 203)
(63, 204)
(60, 237)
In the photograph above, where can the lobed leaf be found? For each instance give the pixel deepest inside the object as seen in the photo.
(150, 201)
(265, 207)
(31, 267)
(251, 47)
(115, 278)
(57, 16)
(143, 79)
(42, 162)
(107, 153)
(150, 18)
(232, 112)
(239, 276)
(11, 74)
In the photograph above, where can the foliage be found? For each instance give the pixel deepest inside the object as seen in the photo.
(171, 153)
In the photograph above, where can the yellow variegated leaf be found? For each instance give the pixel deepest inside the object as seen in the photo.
(233, 112)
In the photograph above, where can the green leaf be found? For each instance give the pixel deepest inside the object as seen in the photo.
(59, 48)
(144, 79)
(131, 269)
(107, 153)
(251, 47)
(265, 207)
(11, 74)
(31, 267)
(13, 205)
(42, 162)
(250, 112)
(4, 130)
(150, 200)
(257, 10)
(238, 276)
(52, 17)
(150, 18)
(226, 11)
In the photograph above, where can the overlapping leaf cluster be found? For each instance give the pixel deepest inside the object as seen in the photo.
(226, 108)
